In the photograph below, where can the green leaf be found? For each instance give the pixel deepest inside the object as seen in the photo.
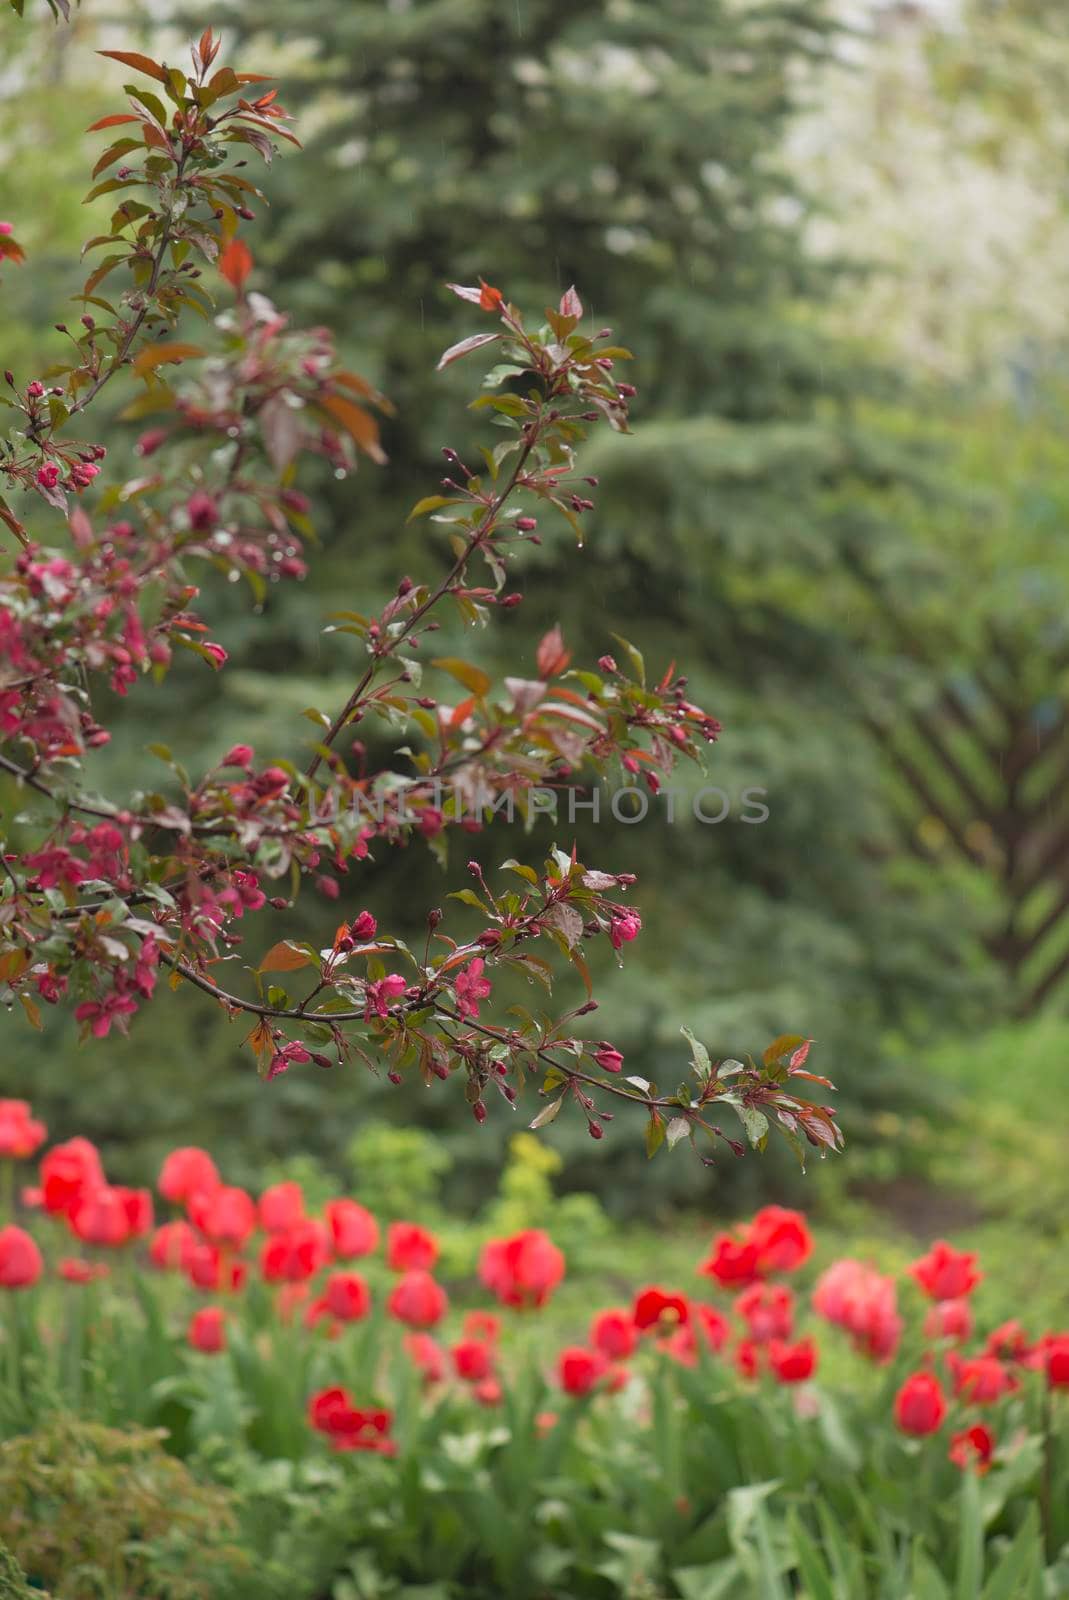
(678, 1129)
(1021, 1562)
(430, 502)
(472, 677)
(755, 1122)
(634, 656)
(654, 1135)
(698, 1054)
(547, 1114)
(811, 1564)
(970, 1574)
(785, 1045)
(528, 873)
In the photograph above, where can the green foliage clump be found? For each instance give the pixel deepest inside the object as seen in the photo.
(91, 1512)
(12, 1578)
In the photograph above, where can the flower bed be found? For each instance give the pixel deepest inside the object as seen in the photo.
(691, 1420)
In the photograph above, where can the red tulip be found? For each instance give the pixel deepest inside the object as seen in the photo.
(488, 1393)
(747, 1358)
(20, 1259)
(614, 1334)
(171, 1246)
(137, 1203)
(1057, 1360)
(580, 1370)
(410, 1248)
(208, 1268)
(331, 1411)
(522, 1271)
(482, 1325)
(207, 1330)
(472, 1360)
(920, 1405)
(655, 1308)
(426, 1354)
(347, 1296)
(20, 1135)
(418, 1300)
(949, 1319)
(281, 1207)
(781, 1239)
(767, 1310)
(792, 1363)
(100, 1217)
(68, 1171)
(74, 1270)
(185, 1172)
(973, 1447)
(353, 1229)
(1009, 1341)
(980, 1380)
(734, 1263)
(861, 1300)
(224, 1215)
(714, 1325)
(945, 1273)
(297, 1255)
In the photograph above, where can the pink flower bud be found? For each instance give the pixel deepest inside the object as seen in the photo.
(203, 512)
(35, 390)
(150, 441)
(239, 755)
(608, 1058)
(48, 475)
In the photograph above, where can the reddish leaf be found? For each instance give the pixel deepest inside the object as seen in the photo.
(159, 355)
(140, 63)
(235, 263)
(360, 426)
(113, 121)
(284, 957)
(570, 303)
(463, 348)
(552, 657)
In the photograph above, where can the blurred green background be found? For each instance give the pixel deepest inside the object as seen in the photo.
(836, 238)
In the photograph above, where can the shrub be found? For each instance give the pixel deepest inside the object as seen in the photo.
(90, 1511)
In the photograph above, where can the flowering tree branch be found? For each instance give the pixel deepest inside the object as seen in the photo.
(98, 894)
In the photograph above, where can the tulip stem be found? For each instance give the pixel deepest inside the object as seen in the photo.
(7, 1191)
(1047, 1474)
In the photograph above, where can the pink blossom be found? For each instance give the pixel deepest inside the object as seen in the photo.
(377, 996)
(471, 987)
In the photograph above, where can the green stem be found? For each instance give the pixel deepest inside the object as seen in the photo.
(7, 1191)
(1046, 1482)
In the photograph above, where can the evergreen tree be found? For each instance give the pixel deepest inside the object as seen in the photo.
(637, 144)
